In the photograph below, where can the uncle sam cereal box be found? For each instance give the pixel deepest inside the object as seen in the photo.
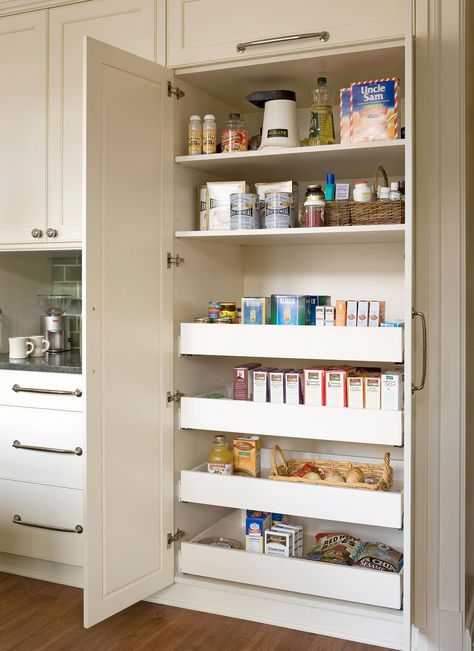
(374, 110)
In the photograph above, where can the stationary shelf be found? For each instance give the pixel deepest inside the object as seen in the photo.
(292, 421)
(355, 584)
(303, 163)
(293, 342)
(379, 234)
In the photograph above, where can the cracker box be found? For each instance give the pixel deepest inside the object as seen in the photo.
(329, 316)
(256, 524)
(376, 313)
(336, 387)
(362, 314)
(374, 110)
(288, 309)
(355, 392)
(218, 203)
(294, 387)
(277, 543)
(312, 303)
(351, 318)
(344, 114)
(392, 390)
(276, 382)
(255, 310)
(247, 456)
(372, 390)
(260, 384)
(242, 381)
(314, 386)
(341, 313)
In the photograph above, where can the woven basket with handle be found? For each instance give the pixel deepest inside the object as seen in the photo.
(378, 476)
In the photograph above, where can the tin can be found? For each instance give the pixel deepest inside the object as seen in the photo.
(279, 209)
(214, 311)
(202, 208)
(244, 211)
(229, 311)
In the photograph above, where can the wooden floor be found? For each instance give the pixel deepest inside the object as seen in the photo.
(40, 616)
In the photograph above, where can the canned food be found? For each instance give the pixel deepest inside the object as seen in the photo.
(279, 209)
(214, 310)
(229, 311)
(244, 211)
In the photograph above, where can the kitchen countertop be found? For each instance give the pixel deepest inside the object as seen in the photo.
(68, 362)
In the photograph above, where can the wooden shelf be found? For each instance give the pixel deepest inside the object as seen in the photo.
(296, 421)
(379, 234)
(303, 163)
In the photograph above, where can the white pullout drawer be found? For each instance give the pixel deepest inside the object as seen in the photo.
(298, 421)
(293, 342)
(378, 508)
(25, 389)
(60, 431)
(42, 506)
(295, 575)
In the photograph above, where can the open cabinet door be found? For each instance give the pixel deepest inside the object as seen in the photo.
(127, 329)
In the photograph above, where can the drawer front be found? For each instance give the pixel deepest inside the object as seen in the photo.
(41, 505)
(14, 383)
(199, 31)
(52, 429)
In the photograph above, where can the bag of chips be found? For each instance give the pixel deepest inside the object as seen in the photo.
(338, 548)
(378, 556)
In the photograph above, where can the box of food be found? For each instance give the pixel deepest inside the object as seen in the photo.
(288, 309)
(392, 390)
(277, 543)
(260, 384)
(294, 387)
(255, 310)
(314, 386)
(242, 381)
(329, 316)
(202, 208)
(351, 317)
(376, 313)
(374, 110)
(312, 303)
(355, 391)
(372, 391)
(344, 113)
(247, 456)
(276, 186)
(293, 536)
(336, 387)
(276, 382)
(256, 524)
(279, 518)
(218, 203)
(298, 529)
(362, 314)
(341, 313)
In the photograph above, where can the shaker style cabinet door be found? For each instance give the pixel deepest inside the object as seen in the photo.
(208, 31)
(127, 319)
(128, 24)
(23, 84)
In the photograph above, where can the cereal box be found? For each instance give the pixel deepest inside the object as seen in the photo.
(218, 203)
(392, 390)
(314, 386)
(256, 524)
(256, 310)
(374, 110)
(247, 456)
(242, 381)
(345, 110)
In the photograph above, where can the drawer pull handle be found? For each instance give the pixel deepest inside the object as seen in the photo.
(17, 520)
(57, 392)
(323, 37)
(421, 316)
(39, 448)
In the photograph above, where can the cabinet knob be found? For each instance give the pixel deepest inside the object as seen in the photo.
(52, 232)
(36, 232)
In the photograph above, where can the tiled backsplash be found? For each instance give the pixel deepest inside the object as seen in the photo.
(67, 279)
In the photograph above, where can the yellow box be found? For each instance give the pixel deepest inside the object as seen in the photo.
(247, 456)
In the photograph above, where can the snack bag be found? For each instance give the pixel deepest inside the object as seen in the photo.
(378, 556)
(338, 548)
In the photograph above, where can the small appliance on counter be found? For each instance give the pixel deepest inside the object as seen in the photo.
(54, 323)
(280, 126)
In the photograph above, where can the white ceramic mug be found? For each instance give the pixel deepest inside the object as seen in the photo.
(41, 345)
(20, 347)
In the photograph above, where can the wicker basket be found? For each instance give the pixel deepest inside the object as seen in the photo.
(357, 213)
(380, 475)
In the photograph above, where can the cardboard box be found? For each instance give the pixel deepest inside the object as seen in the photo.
(351, 317)
(376, 313)
(336, 387)
(279, 518)
(260, 384)
(218, 203)
(247, 456)
(320, 315)
(314, 386)
(329, 316)
(293, 538)
(242, 381)
(374, 110)
(288, 309)
(344, 113)
(294, 387)
(341, 313)
(202, 208)
(256, 310)
(312, 303)
(256, 525)
(362, 314)
(392, 390)
(276, 380)
(372, 390)
(277, 543)
(298, 529)
(355, 392)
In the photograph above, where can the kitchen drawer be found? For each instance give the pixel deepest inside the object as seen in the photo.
(59, 430)
(69, 382)
(201, 31)
(41, 505)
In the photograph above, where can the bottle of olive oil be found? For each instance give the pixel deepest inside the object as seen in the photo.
(220, 461)
(321, 129)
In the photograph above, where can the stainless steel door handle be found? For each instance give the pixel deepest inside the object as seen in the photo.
(39, 448)
(57, 392)
(323, 36)
(17, 520)
(419, 387)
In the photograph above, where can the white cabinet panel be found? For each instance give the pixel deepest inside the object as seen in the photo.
(208, 31)
(128, 24)
(14, 391)
(57, 430)
(23, 86)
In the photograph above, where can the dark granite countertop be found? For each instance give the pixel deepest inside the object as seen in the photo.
(69, 362)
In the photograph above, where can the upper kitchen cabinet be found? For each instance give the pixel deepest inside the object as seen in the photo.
(137, 26)
(23, 84)
(204, 32)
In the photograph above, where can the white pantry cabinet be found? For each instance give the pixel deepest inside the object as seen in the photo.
(204, 32)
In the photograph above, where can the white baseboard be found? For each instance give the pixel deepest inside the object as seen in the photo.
(377, 626)
(35, 568)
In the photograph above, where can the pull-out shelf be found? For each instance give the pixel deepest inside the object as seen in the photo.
(356, 584)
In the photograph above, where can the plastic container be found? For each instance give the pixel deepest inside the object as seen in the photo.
(321, 129)
(313, 214)
(234, 134)
(395, 194)
(330, 189)
(219, 461)
(362, 192)
(209, 135)
(194, 136)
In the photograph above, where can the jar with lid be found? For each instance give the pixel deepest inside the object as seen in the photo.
(313, 190)
(362, 192)
(234, 134)
(313, 208)
(194, 135)
(209, 134)
(395, 194)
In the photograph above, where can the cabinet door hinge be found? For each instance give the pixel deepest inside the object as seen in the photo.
(173, 397)
(178, 534)
(173, 259)
(175, 90)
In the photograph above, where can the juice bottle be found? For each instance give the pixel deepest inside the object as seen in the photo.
(219, 461)
(321, 129)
